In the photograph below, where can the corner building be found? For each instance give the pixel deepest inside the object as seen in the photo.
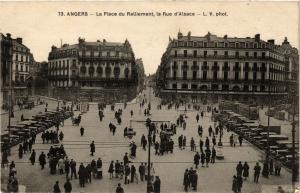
(91, 69)
(222, 68)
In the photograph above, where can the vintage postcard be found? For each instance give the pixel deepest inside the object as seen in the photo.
(142, 96)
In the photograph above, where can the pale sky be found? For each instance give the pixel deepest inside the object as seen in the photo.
(40, 26)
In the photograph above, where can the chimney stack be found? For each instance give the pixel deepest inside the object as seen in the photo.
(271, 41)
(257, 37)
(19, 40)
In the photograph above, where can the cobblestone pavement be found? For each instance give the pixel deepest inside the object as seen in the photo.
(170, 167)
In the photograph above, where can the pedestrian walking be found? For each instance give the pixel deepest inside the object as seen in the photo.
(186, 180)
(207, 156)
(213, 155)
(92, 147)
(277, 166)
(202, 158)
(119, 189)
(257, 169)
(196, 159)
(156, 185)
(56, 188)
(32, 157)
(68, 186)
(142, 171)
(111, 169)
(81, 131)
(42, 160)
(132, 173)
(82, 175)
(245, 170)
(239, 169)
(239, 180)
(234, 185)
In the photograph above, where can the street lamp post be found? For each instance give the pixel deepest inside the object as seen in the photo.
(10, 103)
(149, 185)
(294, 173)
(268, 132)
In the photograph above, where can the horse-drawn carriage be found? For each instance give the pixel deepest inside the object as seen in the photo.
(129, 133)
(76, 120)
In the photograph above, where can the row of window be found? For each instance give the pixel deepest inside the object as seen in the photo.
(225, 87)
(226, 77)
(21, 68)
(237, 65)
(84, 53)
(21, 58)
(215, 53)
(65, 64)
(204, 44)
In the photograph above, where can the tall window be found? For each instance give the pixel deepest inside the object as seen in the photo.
(225, 75)
(226, 53)
(175, 53)
(247, 54)
(246, 75)
(174, 74)
(254, 76)
(215, 75)
(236, 75)
(184, 74)
(204, 75)
(205, 53)
(255, 54)
(263, 76)
(195, 53)
(194, 75)
(185, 53)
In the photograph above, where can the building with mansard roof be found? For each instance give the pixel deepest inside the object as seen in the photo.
(249, 68)
(92, 67)
(16, 60)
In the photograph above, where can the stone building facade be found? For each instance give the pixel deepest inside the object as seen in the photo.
(92, 68)
(15, 56)
(223, 67)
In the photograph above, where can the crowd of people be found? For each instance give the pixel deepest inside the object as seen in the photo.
(161, 140)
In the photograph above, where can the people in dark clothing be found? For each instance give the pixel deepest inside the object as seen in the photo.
(32, 157)
(125, 159)
(56, 188)
(111, 169)
(239, 181)
(82, 175)
(207, 143)
(81, 131)
(92, 146)
(156, 185)
(239, 169)
(127, 173)
(68, 186)
(186, 180)
(42, 160)
(196, 159)
(241, 139)
(133, 171)
(142, 171)
(245, 170)
(257, 169)
(202, 158)
(234, 185)
(20, 151)
(119, 189)
(207, 156)
(73, 169)
(213, 155)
